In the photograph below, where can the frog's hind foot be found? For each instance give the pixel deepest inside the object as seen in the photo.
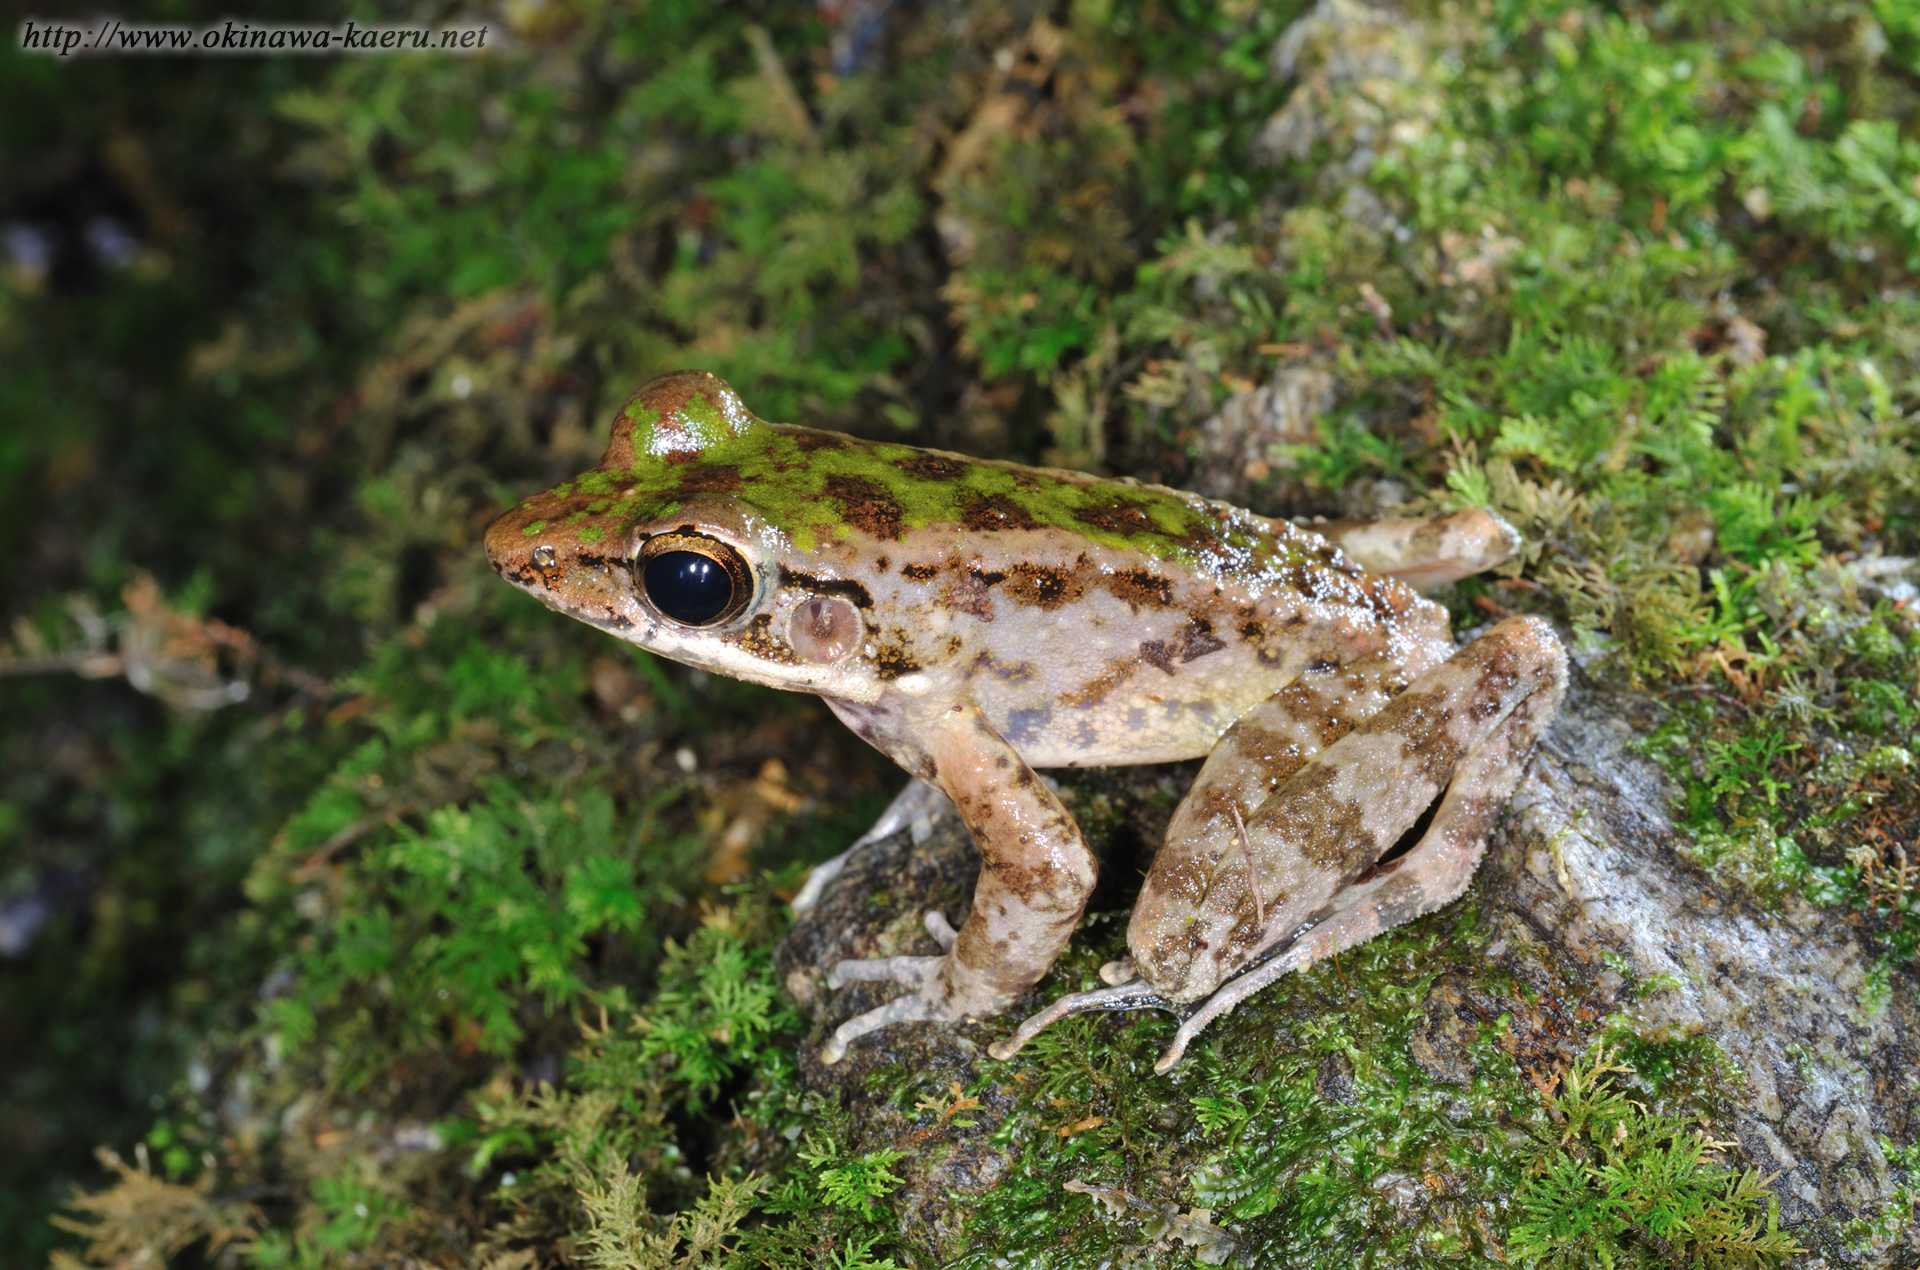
(1224, 999)
(1138, 995)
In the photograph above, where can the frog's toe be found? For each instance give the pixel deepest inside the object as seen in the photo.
(926, 1005)
(939, 927)
(912, 970)
(915, 808)
(1227, 996)
(817, 880)
(1137, 995)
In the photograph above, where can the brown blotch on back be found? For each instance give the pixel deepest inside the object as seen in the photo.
(892, 659)
(1013, 672)
(932, 467)
(709, 478)
(990, 512)
(919, 572)
(1142, 588)
(867, 507)
(807, 441)
(1198, 639)
(1117, 514)
(1045, 587)
(1265, 648)
(1155, 654)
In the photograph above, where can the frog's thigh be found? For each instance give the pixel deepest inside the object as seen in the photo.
(1426, 553)
(1467, 728)
(1253, 759)
(1036, 873)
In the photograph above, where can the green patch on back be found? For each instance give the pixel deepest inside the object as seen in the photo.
(806, 488)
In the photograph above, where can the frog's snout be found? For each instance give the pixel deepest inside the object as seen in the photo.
(516, 551)
(561, 572)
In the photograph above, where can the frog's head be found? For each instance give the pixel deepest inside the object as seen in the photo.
(664, 545)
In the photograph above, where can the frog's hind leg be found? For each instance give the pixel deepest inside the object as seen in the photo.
(916, 803)
(1425, 553)
(1274, 740)
(1456, 708)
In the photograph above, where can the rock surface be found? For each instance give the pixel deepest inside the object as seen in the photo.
(1592, 909)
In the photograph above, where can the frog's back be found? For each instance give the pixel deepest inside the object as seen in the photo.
(1086, 654)
(1094, 621)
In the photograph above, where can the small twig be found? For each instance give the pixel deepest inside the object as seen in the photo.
(345, 838)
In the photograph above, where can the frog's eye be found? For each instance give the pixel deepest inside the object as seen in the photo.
(693, 579)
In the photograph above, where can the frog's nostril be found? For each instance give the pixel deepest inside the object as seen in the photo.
(543, 557)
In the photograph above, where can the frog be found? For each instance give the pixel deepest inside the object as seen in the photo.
(978, 621)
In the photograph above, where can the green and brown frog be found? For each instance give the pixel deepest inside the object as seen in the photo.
(976, 620)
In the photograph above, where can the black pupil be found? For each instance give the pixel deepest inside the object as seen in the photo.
(687, 586)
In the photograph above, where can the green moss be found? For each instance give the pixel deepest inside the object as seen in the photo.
(1611, 1183)
(1301, 1125)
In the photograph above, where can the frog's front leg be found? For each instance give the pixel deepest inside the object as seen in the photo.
(1036, 873)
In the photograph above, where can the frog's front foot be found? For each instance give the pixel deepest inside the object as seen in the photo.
(1035, 875)
(928, 1003)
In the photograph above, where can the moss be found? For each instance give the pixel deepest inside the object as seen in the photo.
(1612, 1183)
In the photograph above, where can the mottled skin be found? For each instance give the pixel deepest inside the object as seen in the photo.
(976, 620)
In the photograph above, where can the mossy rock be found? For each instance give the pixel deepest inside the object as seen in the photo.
(1429, 1049)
